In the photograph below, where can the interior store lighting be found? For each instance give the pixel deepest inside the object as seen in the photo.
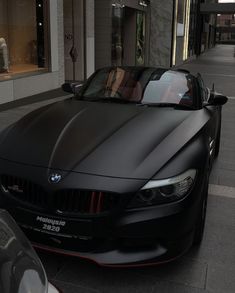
(118, 4)
(143, 3)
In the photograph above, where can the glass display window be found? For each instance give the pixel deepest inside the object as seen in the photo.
(23, 37)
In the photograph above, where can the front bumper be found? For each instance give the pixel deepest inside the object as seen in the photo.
(125, 238)
(133, 238)
(131, 258)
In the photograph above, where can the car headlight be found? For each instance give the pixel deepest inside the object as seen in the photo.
(164, 191)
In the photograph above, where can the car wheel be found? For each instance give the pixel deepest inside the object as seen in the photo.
(200, 222)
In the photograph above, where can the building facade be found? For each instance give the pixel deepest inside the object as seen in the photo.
(121, 32)
(31, 53)
(225, 29)
(44, 42)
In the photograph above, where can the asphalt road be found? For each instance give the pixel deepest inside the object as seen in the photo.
(210, 268)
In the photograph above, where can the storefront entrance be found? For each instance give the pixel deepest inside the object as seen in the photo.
(128, 36)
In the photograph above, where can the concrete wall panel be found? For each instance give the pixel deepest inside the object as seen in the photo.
(103, 33)
(161, 33)
(33, 85)
(6, 91)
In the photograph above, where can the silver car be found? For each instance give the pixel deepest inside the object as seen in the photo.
(21, 271)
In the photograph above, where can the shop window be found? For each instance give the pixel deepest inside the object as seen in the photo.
(23, 37)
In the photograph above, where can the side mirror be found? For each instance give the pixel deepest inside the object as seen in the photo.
(71, 87)
(217, 99)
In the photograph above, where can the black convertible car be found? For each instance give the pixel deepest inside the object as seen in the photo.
(118, 173)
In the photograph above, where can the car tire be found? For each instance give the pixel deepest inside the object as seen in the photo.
(200, 222)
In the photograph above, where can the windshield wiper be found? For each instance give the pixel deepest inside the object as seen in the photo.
(170, 105)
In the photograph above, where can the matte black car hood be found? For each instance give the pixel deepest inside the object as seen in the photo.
(108, 139)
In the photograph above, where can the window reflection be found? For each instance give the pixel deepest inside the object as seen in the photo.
(145, 85)
(23, 48)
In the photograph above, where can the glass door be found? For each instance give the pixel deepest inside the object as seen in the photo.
(128, 36)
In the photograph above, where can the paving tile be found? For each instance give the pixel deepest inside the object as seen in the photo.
(214, 176)
(226, 160)
(223, 177)
(226, 177)
(184, 271)
(221, 211)
(215, 70)
(222, 191)
(52, 263)
(218, 245)
(227, 143)
(125, 286)
(221, 278)
(71, 288)
(227, 115)
(87, 275)
(169, 287)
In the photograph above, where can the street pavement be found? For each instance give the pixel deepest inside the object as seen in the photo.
(209, 268)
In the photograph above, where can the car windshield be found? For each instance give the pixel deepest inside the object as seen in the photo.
(140, 85)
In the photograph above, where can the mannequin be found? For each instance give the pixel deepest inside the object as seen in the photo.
(4, 63)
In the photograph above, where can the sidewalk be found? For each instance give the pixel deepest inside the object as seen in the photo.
(11, 112)
(218, 66)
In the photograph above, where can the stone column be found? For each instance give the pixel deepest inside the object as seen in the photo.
(160, 33)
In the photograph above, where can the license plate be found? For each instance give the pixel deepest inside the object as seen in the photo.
(54, 225)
